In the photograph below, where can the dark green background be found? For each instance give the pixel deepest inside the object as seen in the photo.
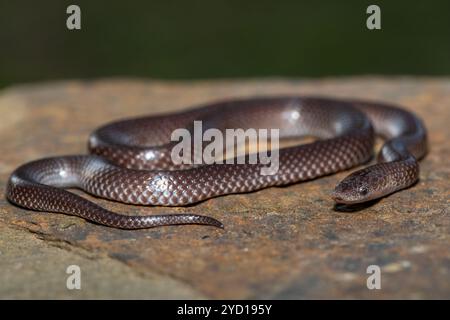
(209, 39)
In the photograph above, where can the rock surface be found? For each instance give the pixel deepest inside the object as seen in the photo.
(278, 243)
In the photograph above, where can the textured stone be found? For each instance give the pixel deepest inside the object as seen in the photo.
(285, 242)
(36, 269)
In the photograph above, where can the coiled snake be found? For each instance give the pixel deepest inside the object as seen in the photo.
(130, 161)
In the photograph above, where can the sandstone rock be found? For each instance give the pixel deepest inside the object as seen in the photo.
(278, 243)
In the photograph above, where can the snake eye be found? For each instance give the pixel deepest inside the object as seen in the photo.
(363, 191)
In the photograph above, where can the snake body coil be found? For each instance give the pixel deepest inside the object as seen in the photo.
(131, 161)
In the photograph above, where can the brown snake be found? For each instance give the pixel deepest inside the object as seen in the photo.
(131, 161)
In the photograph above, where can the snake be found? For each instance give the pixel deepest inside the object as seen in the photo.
(130, 160)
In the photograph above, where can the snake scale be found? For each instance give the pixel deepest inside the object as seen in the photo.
(130, 160)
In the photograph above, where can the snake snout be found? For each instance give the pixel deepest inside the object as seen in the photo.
(336, 198)
(340, 198)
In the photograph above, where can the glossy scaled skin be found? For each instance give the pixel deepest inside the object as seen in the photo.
(398, 167)
(131, 161)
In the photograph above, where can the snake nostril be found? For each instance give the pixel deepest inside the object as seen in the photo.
(336, 197)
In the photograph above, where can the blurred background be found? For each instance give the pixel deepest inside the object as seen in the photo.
(221, 39)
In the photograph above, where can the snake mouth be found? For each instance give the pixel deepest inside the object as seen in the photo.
(338, 198)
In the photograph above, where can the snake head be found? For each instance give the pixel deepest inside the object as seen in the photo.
(360, 186)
